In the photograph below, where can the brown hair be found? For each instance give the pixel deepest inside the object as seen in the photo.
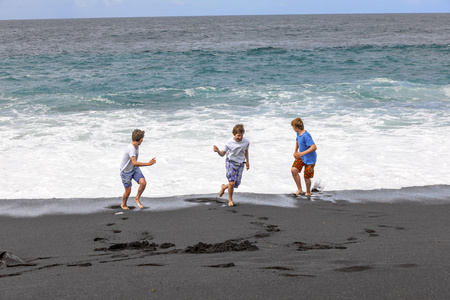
(137, 135)
(298, 123)
(238, 129)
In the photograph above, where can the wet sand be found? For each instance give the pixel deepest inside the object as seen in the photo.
(320, 250)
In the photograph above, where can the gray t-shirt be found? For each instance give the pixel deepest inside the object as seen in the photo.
(236, 150)
(126, 165)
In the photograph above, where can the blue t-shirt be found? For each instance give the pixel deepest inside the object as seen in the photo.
(304, 142)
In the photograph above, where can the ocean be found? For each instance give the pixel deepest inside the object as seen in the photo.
(372, 90)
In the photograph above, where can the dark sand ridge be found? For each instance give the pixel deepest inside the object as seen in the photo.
(320, 250)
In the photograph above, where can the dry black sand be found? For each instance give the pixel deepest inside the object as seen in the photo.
(319, 250)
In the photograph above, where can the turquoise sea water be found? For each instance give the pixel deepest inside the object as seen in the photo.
(373, 90)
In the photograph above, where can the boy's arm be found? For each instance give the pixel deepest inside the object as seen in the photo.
(141, 164)
(216, 149)
(296, 150)
(247, 163)
(309, 150)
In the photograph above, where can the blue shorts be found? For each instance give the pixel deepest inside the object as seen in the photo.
(135, 174)
(234, 171)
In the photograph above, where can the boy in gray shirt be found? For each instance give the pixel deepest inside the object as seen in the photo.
(129, 169)
(236, 151)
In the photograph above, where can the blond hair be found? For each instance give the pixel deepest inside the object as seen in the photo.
(298, 123)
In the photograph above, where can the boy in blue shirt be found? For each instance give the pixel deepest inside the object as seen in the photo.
(305, 156)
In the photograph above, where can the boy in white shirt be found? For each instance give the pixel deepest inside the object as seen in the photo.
(129, 168)
(236, 150)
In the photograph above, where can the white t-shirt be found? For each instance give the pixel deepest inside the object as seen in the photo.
(126, 165)
(236, 150)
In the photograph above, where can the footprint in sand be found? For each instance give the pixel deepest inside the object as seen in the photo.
(278, 268)
(150, 265)
(371, 232)
(354, 269)
(228, 265)
(86, 264)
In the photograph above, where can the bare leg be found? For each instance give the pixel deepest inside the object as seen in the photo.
(125, 196)
(308, 186)
(296, 177)
(223, 188)
(142, 185)
(230, 193)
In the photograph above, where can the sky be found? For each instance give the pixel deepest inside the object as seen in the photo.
(61, 9)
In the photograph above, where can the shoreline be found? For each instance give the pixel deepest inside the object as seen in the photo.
(318, 250)
(430, 195)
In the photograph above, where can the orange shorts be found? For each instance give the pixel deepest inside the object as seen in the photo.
(309, 169)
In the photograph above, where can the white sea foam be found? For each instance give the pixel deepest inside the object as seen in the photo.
(78, 155)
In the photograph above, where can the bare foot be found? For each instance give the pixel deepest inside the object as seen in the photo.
(300, 192)
(139, 203)
(224, 187)
(124, 206)
(230, 203)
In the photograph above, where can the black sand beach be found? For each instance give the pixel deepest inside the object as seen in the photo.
(320, 250)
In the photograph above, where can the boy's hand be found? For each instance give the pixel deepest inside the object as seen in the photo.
(216, 149)
(297, 155)
(152, 161)
(247, 164)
